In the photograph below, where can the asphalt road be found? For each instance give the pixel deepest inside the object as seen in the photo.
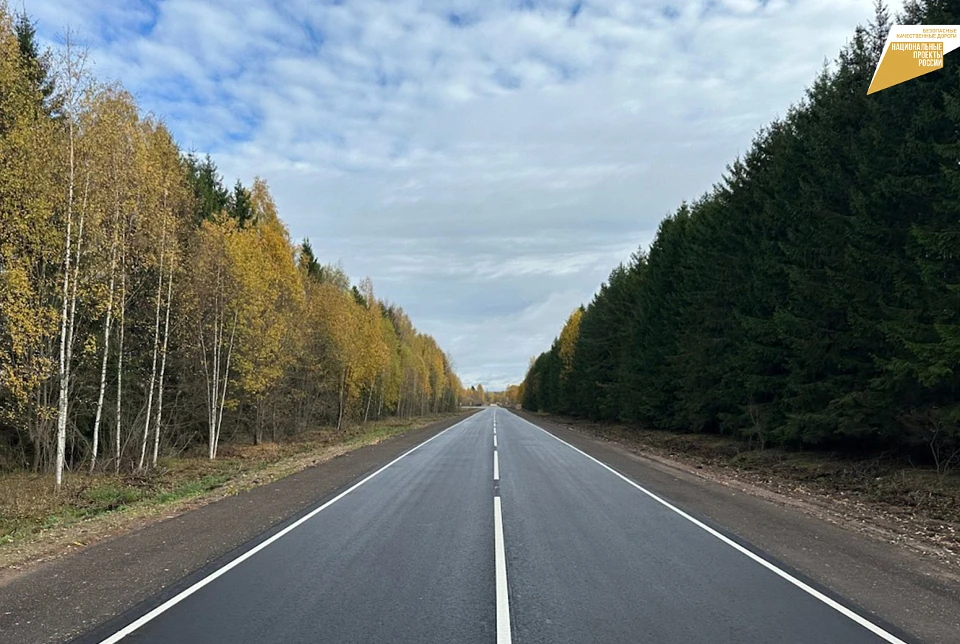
(496, 531)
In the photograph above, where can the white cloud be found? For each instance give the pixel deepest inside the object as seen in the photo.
(486, 175)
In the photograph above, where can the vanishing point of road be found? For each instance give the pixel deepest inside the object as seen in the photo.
(495, 531)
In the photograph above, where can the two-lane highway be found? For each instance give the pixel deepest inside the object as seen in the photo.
(496, 531)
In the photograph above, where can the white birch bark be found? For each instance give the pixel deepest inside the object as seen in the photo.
(208, 378)
(106, 342)
(366, 413)
(211, 369)
(63, 376)
(72, 324)
(73, 69)
(223, 393)
(156, 350)
(122, 321)
(163, 367)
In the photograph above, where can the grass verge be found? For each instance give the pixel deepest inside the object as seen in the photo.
(37, 524)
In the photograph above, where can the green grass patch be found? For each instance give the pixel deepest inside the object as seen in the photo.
(193, 488)
(110, 496)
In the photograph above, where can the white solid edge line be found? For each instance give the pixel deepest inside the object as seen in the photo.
(496, 467)
(503, 598)
(840, 608)
(173, 601)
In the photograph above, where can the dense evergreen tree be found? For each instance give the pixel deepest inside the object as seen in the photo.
(209, 192)
(240, 205)
(36, 63)
(812, 297)
(604, 329)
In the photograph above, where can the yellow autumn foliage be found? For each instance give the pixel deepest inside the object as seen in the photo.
(146, 307)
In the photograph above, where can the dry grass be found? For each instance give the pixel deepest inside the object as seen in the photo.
(34, 520)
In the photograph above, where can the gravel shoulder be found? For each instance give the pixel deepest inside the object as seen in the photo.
(915, 591)
(60, 598)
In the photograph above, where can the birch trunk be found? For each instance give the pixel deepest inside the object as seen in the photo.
(64, 378)
(273, 425)
(343, 386)
(122, 321)
(215, 388)
(412, 406)
(400, 397)
(211, 370)
(156, 350)
(106, 344)
(366, 413)
(163, 368)
(258, 420)
(226, 376)
(209, 383)
(72, 324)
(75, 76)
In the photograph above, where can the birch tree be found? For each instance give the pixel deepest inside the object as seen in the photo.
(163, 363)
(109, 349)
(122, 321)
(163, 198)
(116, 121)
(74, 81)
(212, 297)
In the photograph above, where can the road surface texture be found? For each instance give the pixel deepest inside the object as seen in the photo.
(497, 531)
(54, 601)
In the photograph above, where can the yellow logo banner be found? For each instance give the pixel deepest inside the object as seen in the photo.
(912, 51)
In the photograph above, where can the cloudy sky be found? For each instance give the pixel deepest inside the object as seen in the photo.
(485, 162)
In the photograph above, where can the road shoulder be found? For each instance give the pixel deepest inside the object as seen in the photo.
(63, 598)
(915, 593)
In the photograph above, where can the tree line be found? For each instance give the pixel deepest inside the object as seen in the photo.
(476, 395)
(146, 308)
(812, 297)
